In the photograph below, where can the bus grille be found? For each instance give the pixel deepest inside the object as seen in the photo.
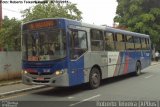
(38, 81)
(43, 73)
(40, 65)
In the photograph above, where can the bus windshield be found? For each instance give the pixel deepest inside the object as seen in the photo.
(43, 45)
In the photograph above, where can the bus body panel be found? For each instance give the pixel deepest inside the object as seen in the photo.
(146, 59)
(46, 71)
(76, 72)
(115, 63)
(76, 66)
(111, 63)
(50, 80)
(96, 59)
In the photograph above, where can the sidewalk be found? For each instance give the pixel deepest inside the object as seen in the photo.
(10, 82)
(14, 87)
(154, 62)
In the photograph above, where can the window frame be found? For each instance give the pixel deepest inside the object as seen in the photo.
(145, 43)
(72, 46)
(102, 40)
(121, 42)
(130, 42)
(137, 43)
(113, 40)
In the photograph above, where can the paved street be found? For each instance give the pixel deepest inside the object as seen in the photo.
(124, 88)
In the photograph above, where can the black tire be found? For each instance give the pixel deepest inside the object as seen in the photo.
(138, 69)
(94, 78)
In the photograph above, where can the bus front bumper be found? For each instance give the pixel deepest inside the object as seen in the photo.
(50, 80)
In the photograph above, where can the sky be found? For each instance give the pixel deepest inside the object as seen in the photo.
(98, 12)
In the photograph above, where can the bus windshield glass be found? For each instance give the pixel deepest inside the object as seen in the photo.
(43, 45)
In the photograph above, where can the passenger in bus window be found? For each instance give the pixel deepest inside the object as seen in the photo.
(43, 50)
(52, 47)
(34, 52)
(83, 42)
(51, 50)
(76, 40)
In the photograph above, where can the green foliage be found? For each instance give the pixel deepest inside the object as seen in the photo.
(141, 16)
(10, 34)
(52, 10)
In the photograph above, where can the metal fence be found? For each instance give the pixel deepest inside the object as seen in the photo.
(10, 65)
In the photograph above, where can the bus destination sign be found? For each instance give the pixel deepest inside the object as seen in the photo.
(42, 24)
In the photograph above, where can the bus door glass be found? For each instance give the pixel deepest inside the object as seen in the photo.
(78, 46)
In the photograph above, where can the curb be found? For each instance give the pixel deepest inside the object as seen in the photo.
(155, 63)
(2, 95)
(11, 83)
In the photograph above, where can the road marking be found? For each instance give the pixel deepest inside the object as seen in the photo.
(70, 97)
(149, 76)
(16, 91)
(85, 100)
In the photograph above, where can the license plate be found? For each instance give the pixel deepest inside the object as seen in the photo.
(40, 78)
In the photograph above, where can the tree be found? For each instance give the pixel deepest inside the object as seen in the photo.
(11, 28)
(141, 16)
(52, 10)
(10, 34)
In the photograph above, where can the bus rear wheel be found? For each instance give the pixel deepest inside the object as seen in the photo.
(94, 78)
(138, 69)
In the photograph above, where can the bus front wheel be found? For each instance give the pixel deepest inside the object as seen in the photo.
(138, 69)
(94, 78)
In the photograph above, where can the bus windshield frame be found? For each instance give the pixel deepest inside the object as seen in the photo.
(45, 44)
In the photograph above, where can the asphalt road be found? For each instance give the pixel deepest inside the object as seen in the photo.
(124, 88)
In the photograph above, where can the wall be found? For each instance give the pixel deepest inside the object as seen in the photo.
(10, 65)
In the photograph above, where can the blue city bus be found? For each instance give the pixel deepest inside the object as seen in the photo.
(61, 52)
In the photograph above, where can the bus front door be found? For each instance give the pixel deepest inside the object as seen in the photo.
(76, 71)
(78, 46)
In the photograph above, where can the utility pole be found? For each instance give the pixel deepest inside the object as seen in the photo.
(0, 14)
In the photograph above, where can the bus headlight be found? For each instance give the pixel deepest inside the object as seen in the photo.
(24, 72)
(59, 72)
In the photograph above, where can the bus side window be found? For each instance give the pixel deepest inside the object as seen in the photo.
(120, 44)
(137, 42)
(109, 43)
(129, 42)
(97, 43)
(143, 43)
(147, 43)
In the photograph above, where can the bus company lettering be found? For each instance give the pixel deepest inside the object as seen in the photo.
(113, 57)
(112, 60)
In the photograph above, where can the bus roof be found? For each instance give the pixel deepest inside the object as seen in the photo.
(114, 30)
(126, 32)
(105, 28)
